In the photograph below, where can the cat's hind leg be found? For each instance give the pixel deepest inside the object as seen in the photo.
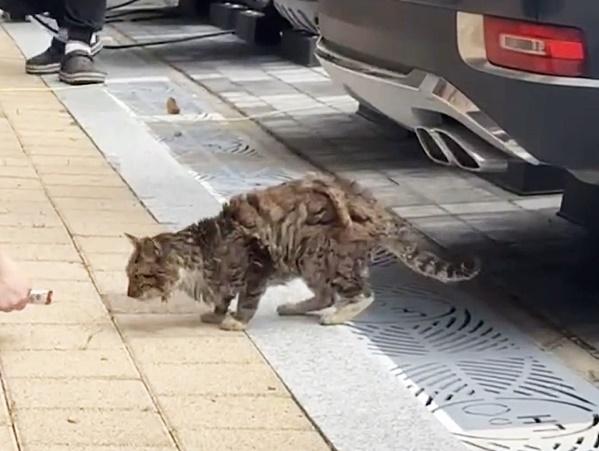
(353, 294)
(322, 299)
(347, 309)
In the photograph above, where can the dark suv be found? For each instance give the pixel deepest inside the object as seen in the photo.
(479, 81)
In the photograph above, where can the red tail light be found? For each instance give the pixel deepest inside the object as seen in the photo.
(544, 49)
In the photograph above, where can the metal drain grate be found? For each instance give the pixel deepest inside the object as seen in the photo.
(227, 183)
(186, 141)
(485, 381)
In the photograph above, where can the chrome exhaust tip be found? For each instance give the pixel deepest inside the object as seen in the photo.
(434, 147)
(453, 145)
(470, 152)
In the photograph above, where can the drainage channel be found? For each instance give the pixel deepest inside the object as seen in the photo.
(476, 373)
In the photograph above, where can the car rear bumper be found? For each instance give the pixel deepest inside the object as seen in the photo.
(418, 63)
(410, 98)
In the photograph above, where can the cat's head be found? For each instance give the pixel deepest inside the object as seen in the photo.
(153, 269)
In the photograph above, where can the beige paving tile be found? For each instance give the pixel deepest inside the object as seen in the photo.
(73, 363)
(7, 194)
(113, 228)
(167, 326)
(234, 413)
(4, 416)
(90, 204)
(91, 192)
(20, 183)
(188, 350)
(42, 252)
(60, 313)
(75, 170)
(7, 439)
(102, 244)
(207, 379)
(76, 428)
(43, 208)
(106, 181)
(34, 220)
(247, 440)
(56, 270)
(80, 393)
(48, 149)
(10, 147)
(32, 235)
(76, 162)
(139, 216)
(111, 281)
(56, 140)
(107, 262)
(66, 134)
(24, 172)
(98, 448)
(59, 139)
(12, 161)
(59, 337)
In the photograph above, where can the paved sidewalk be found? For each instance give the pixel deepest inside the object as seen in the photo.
(94, 371)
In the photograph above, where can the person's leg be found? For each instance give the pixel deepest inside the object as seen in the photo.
(82, 18)
(23, 7)
(49, 61)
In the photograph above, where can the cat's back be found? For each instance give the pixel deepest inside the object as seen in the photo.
(310, 200)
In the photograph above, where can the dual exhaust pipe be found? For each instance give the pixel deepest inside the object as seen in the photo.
(452, 145)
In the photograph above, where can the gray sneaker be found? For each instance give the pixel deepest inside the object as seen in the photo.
(78, 68)
(48, 62)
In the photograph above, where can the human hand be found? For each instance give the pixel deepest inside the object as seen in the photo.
(14, 286)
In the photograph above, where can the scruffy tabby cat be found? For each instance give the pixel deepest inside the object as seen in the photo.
(318, 228)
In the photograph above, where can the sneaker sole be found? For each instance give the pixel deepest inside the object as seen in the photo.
(43, 70)
(85, 78)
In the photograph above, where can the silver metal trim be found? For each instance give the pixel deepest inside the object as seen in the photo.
(434, 94)
(422, 133)
(485, 157)
(471, 47)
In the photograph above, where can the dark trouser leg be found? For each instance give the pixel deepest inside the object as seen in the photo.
(24, 7)
(83, 18)
(48, 62)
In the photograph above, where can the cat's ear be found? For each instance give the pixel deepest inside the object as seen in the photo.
(156, 246)
(133, 239)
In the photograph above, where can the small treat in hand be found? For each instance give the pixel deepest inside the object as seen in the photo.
(41, 297)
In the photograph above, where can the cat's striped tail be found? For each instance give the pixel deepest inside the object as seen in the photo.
(428, 264)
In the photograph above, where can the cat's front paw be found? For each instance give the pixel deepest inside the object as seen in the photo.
(231, 324)
(212, 318)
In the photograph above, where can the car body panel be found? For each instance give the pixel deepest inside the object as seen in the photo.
(553, 121)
